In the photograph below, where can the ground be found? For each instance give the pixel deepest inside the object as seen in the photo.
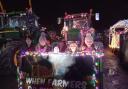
(114, 77)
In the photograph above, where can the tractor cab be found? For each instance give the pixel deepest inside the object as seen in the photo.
(13, 25)
(75, 25)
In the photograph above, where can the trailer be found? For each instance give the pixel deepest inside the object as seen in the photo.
(118, 40)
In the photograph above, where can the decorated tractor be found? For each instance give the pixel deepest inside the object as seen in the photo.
(14, 24)
(78, 28)
(78, 31)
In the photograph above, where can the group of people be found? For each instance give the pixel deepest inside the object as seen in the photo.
(51, 42)
(48, 43)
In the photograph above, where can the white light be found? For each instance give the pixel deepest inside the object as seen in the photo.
(44, 54)
(56, 49)
(23, 29)
(59, 20)
(27, 53)
(61, 62)
(29, 87)
(21, 88)
(97, 16)
(94, 77)
(21, 83)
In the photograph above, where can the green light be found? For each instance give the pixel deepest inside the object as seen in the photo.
(96, 63)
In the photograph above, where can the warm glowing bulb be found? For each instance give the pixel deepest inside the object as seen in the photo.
(96, 81)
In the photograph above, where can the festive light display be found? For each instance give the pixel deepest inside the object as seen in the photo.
(115, 41)
(55, 55)
(35, 53)
(114, 35)
(61, 61)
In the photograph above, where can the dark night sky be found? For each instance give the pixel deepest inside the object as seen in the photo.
(48, 10)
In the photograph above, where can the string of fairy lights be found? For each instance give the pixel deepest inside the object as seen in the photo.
(97, 65)
(114, 36)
